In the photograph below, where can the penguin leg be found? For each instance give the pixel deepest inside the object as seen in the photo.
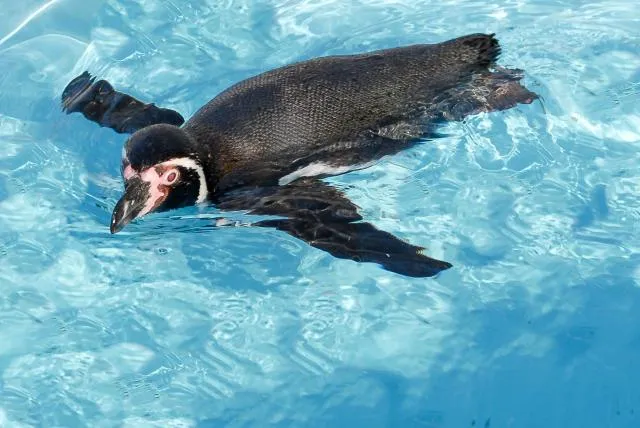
(101, 103)
(322, 216)
(488, 91)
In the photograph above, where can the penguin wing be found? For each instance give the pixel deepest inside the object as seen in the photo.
(322, 216)
(102, 104)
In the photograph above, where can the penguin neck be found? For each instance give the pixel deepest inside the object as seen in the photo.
(220, 171)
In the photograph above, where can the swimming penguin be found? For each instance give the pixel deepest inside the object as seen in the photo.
(264, 144)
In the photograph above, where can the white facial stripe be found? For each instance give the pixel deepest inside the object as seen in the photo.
(191, 164)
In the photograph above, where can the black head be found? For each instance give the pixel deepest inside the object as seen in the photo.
(161, 171)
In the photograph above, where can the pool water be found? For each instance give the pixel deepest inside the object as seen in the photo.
(174, 324)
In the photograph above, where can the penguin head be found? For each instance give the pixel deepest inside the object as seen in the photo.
(161, 171)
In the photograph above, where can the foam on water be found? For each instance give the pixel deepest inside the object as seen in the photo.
(174, 324)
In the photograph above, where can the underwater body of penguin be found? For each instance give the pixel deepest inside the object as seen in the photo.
(263, 145)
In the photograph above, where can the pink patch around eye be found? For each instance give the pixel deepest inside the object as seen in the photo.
(172, 177)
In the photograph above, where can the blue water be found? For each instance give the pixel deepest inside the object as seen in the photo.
(173, 324)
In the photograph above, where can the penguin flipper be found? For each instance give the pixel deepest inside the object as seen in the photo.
(101, 103)
(323, 217)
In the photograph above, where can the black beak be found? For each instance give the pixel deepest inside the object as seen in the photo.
(135, 197)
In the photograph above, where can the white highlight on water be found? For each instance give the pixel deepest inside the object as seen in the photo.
(29, 18)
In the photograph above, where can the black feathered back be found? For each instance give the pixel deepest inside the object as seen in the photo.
(291, 110)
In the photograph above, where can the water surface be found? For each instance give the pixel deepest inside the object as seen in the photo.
(171, 323)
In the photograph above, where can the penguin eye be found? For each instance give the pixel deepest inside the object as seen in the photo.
(171, 176)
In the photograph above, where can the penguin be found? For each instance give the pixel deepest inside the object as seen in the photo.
(265, 144)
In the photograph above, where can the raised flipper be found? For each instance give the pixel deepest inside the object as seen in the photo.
(322, 216)
(102, 104)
